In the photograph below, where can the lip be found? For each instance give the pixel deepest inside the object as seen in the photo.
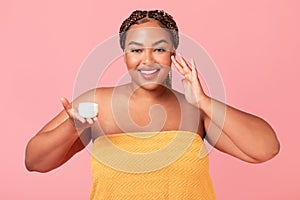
(148, 67)
(148, 73)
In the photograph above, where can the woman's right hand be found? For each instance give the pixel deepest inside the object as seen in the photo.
(79, 122)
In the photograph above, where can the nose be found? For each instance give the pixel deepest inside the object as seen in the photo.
(148, 57)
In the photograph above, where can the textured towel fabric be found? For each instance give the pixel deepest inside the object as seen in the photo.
(164, 165)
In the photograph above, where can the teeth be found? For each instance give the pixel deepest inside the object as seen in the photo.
(148, 72)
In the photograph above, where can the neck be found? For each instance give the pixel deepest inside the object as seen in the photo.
(148, 94)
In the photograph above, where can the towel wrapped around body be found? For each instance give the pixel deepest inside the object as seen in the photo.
(151, 165)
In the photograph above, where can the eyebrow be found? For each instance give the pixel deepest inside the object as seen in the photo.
(154, 44)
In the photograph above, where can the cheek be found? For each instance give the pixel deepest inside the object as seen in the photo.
(164, 60)
(131, 61)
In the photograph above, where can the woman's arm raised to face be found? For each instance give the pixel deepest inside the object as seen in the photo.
(60, 139)
(228, 129)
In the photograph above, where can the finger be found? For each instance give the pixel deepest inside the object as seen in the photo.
(71, 112)
(177, 65)
(95, 118)
(90, 121)
(79, 117)
(194, 69)
(66, 104)
(184, 64)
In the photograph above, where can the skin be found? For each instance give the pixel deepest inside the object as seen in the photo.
(239, 134)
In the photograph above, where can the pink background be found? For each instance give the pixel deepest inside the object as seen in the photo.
(255, 45)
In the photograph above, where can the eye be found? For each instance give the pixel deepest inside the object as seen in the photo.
(159, 50)
(136, 50)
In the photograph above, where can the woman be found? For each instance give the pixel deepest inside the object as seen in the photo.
(156, 115)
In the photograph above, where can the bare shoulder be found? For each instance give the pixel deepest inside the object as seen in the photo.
(191, 116)
(105, 98)
(97, 95)
(183, 102)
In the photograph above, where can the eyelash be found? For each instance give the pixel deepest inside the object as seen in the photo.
(160, 49)
(140, 50)
(135, 50)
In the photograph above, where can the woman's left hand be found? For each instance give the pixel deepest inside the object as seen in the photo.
(193, 90)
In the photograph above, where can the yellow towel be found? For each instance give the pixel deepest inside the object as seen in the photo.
(164, 165)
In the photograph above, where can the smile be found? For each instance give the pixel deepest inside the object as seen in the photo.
(148, 72)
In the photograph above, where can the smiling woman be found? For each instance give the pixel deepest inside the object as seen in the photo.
(148, 138)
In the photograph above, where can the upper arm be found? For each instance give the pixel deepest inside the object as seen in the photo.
(217, 138)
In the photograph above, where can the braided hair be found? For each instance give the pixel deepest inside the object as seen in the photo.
(141, 16)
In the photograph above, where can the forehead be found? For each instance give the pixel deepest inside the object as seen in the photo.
(147, 33)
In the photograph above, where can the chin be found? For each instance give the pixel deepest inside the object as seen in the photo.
(151, 86)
